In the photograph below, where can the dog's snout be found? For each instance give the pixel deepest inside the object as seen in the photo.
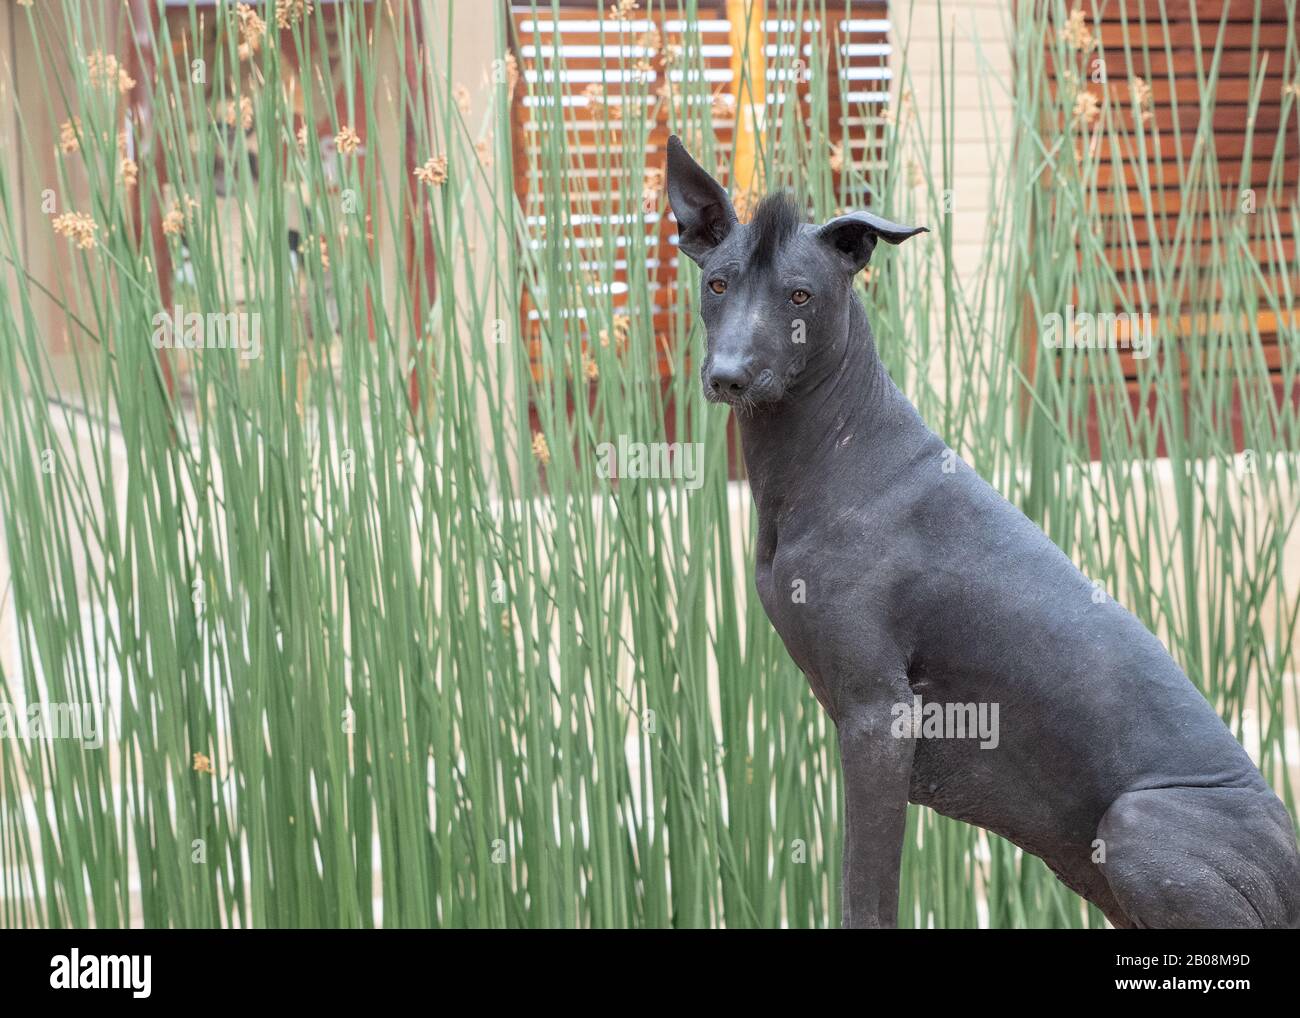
(729, 379)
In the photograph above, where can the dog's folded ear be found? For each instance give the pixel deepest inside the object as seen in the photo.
(854, 236)
(704, 212)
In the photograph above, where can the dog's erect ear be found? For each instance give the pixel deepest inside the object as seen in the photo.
(854, 236)
(703, 210)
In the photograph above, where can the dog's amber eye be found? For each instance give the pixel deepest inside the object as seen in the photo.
(800, 296)
(718, 286)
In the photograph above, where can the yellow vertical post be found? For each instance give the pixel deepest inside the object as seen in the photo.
(749, 87)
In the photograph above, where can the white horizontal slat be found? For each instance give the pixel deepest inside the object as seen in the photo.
(586, 76)
(582, 100)
(863, 25)
(714, 25)
(549, 100)
(859, 49)
(710, 74)
(586, 173)
(788, 25)
(534, 316)
(619, 264)
(868, 73)
(582, 126)
(585, 219)
(579, 51)
(576, 51)
(621, 240)
(594, 26)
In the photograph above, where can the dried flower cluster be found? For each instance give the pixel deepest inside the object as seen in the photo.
(648, 43)
(289, 12)
(599, 102)
(106, 72)
(651, 41)
(652, 188)
(1076, 32)
(68, 131)
(433, 172)
(240, 113)
(347, 140)
(1087, 108)
(174, 221)
(903, 112)
(622, 328)
(251, 30)
(540, 449)
(460, 94)
(1143, 98)
(507, 68)
(836, 158)
(77, 226)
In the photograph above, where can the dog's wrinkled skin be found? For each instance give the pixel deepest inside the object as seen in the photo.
(917, 580)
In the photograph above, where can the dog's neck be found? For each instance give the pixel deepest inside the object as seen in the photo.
(843, 426)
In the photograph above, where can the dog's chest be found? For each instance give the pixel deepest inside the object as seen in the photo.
(787, 587)
(770, 579)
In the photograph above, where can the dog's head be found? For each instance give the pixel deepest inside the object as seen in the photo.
(775, 292)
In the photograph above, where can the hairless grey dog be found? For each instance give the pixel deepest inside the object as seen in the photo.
(890, 578)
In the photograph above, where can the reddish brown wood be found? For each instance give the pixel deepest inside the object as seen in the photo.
(1133, 234)
(422, 273)
(142, 65)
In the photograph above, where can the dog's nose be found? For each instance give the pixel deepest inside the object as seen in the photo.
(729, 378)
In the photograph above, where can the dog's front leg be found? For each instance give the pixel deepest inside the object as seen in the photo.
(877, 767)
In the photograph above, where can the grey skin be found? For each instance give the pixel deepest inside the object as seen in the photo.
(920, 581)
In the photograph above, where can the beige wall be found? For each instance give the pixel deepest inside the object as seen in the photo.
(977, 33)
(29, 134)
(471, 27)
